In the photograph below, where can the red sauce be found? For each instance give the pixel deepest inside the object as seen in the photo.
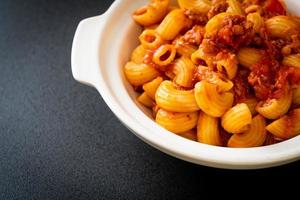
(235, 32)
(203, 73)
(197, 18)
(267, 78)
(194, 36)
(275, 7)
(219, 6)
(294, 75)
(241, 87)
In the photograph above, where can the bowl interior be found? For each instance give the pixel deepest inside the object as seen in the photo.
(115, 46)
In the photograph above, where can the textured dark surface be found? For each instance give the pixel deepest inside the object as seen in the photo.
(58, 139)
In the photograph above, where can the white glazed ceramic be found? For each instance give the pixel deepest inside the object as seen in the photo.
(101, 47)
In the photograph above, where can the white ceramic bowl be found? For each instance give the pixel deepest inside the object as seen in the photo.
(101, 47)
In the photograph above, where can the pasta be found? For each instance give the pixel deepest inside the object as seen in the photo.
(215, 23)
(222, 72)
(210, 100)
(150, 39)
(237, 119)
(292, 60)
(173, 23)
(281, 26)
(164, 55)
(145, 100)
(296, 96)
(251, 102)
(184, 72)
(222, 84)
(287, 126)
(208, 130)
(138, 74)
(249, 56)
(257, 20)
(138, 54)
(200, 6)
(275, 108)
(176, 122)
(253, 137)
(172, 99)
(199, 57)
(191, 135)
(152, 13)
(234, 7)
(228, 64)
(150, 88)
(183, 48)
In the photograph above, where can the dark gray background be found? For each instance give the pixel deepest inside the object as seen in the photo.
(58, 139)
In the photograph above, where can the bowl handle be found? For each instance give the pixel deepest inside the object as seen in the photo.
(84, 58)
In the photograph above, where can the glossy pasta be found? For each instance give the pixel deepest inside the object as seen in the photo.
(210, 100)
(170, 98)
(253, 137)
(237, 119)
(176, 122)
(281, 26)
(152, 13)
(208, 130)
(247, 57)
(184, 70)
(223, 73)
(275, 108)
(199, 6)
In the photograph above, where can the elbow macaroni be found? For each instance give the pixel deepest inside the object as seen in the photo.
(151, 87)
(152, 13)
(275, 108)
(172, 99)
(197, 6)
(237, 119)
(255, 136)
(296, 96)
(234, 7)
(164, 55)
(287, 126)
(208, 130)
(292, 60)
(145, 100)
(228, 65)
(173, 23)
(251, 102)
(210, 100)
(248, 57)
(138, 74)
(257, 20)
(235, 82)
(176, 122)
(281, 26)
(184, 70)
(215, 23)
(138, 54)
(191, 135)
(150, 39)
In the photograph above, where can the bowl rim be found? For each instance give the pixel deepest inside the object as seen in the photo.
(214, 156)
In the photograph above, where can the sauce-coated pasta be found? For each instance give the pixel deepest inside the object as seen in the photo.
(215, 68)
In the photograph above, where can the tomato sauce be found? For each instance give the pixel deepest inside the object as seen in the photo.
(242, 89)
(235, 32)
(275, 7)
(263, 78)
(194, 36)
